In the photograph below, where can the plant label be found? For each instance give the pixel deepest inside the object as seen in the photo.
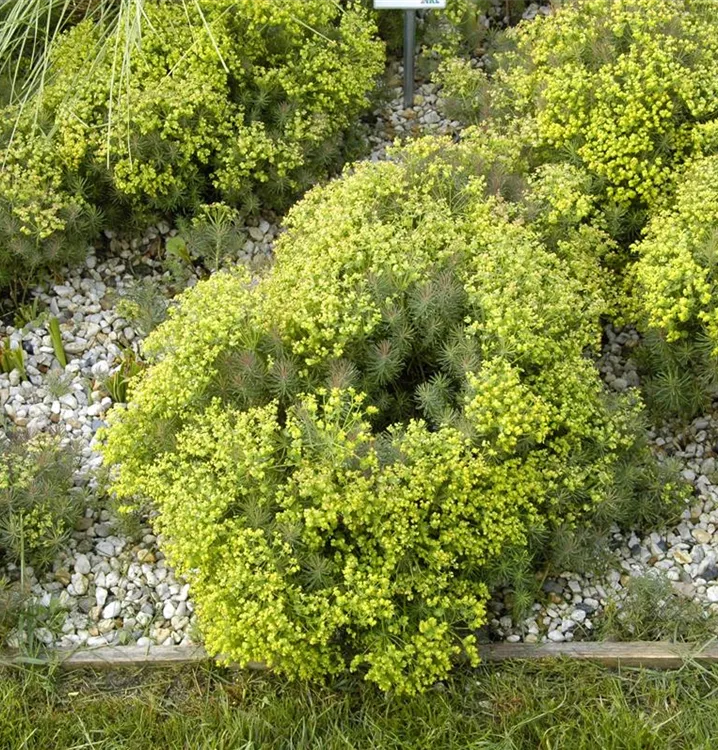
(408, 4)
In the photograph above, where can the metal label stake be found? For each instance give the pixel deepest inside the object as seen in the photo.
(409, 7)
(409, 50)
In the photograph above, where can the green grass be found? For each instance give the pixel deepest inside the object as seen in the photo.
(516, 707)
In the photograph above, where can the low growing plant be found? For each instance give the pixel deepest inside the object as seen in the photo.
(58, 383)
(38, 506)
(53, 327)
(215, 234)
(28, 313)
(341, 451)
(117, 384)
(653, 610)
(143, 304)
(12, 358)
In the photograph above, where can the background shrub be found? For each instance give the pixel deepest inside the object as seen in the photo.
(626, 90)
(340, 451)
(244, 102)
(462, 28)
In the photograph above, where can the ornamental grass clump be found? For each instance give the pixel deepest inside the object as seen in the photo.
(341, 451)
(625, 88)
(182, 105)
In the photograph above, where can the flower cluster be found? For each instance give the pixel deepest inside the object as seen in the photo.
(626, 89)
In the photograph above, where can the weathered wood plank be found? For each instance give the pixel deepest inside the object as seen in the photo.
(111, 657)
(653, 655)
(118, 656)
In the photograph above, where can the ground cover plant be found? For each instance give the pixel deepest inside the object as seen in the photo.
(180, 105)
(653, 610)
(624, 89)
(517, 706)
(341, 451)
(38, 507)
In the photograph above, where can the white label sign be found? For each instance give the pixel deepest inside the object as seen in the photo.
(408, 4)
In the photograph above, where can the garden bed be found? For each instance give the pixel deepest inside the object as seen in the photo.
(112, 581)
(482, 369)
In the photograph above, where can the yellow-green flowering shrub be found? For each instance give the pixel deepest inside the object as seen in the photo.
(625, 88)
(675, 273)
(340, 450)
(37, 505)
(244, 102)
(673, 292)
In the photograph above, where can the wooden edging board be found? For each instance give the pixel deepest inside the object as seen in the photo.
(652, 655)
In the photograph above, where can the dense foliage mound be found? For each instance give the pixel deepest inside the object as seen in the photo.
(673, 284)
(675, 275)
(242, 102)
(340, 451)
(627, 89)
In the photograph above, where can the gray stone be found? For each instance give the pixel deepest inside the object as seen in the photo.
(80, 584)
(82, 565)
(102, 530)
(105, 548)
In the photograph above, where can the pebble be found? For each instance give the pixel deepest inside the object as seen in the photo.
(701, 536)
(82, 565)
(112, 610)
(80, 584)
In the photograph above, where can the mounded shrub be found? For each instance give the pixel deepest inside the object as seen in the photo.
(341, 451)
(625, 88)
(673, 287)
(243, 102)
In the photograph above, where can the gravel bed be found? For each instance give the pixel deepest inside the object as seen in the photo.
(110, 586)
